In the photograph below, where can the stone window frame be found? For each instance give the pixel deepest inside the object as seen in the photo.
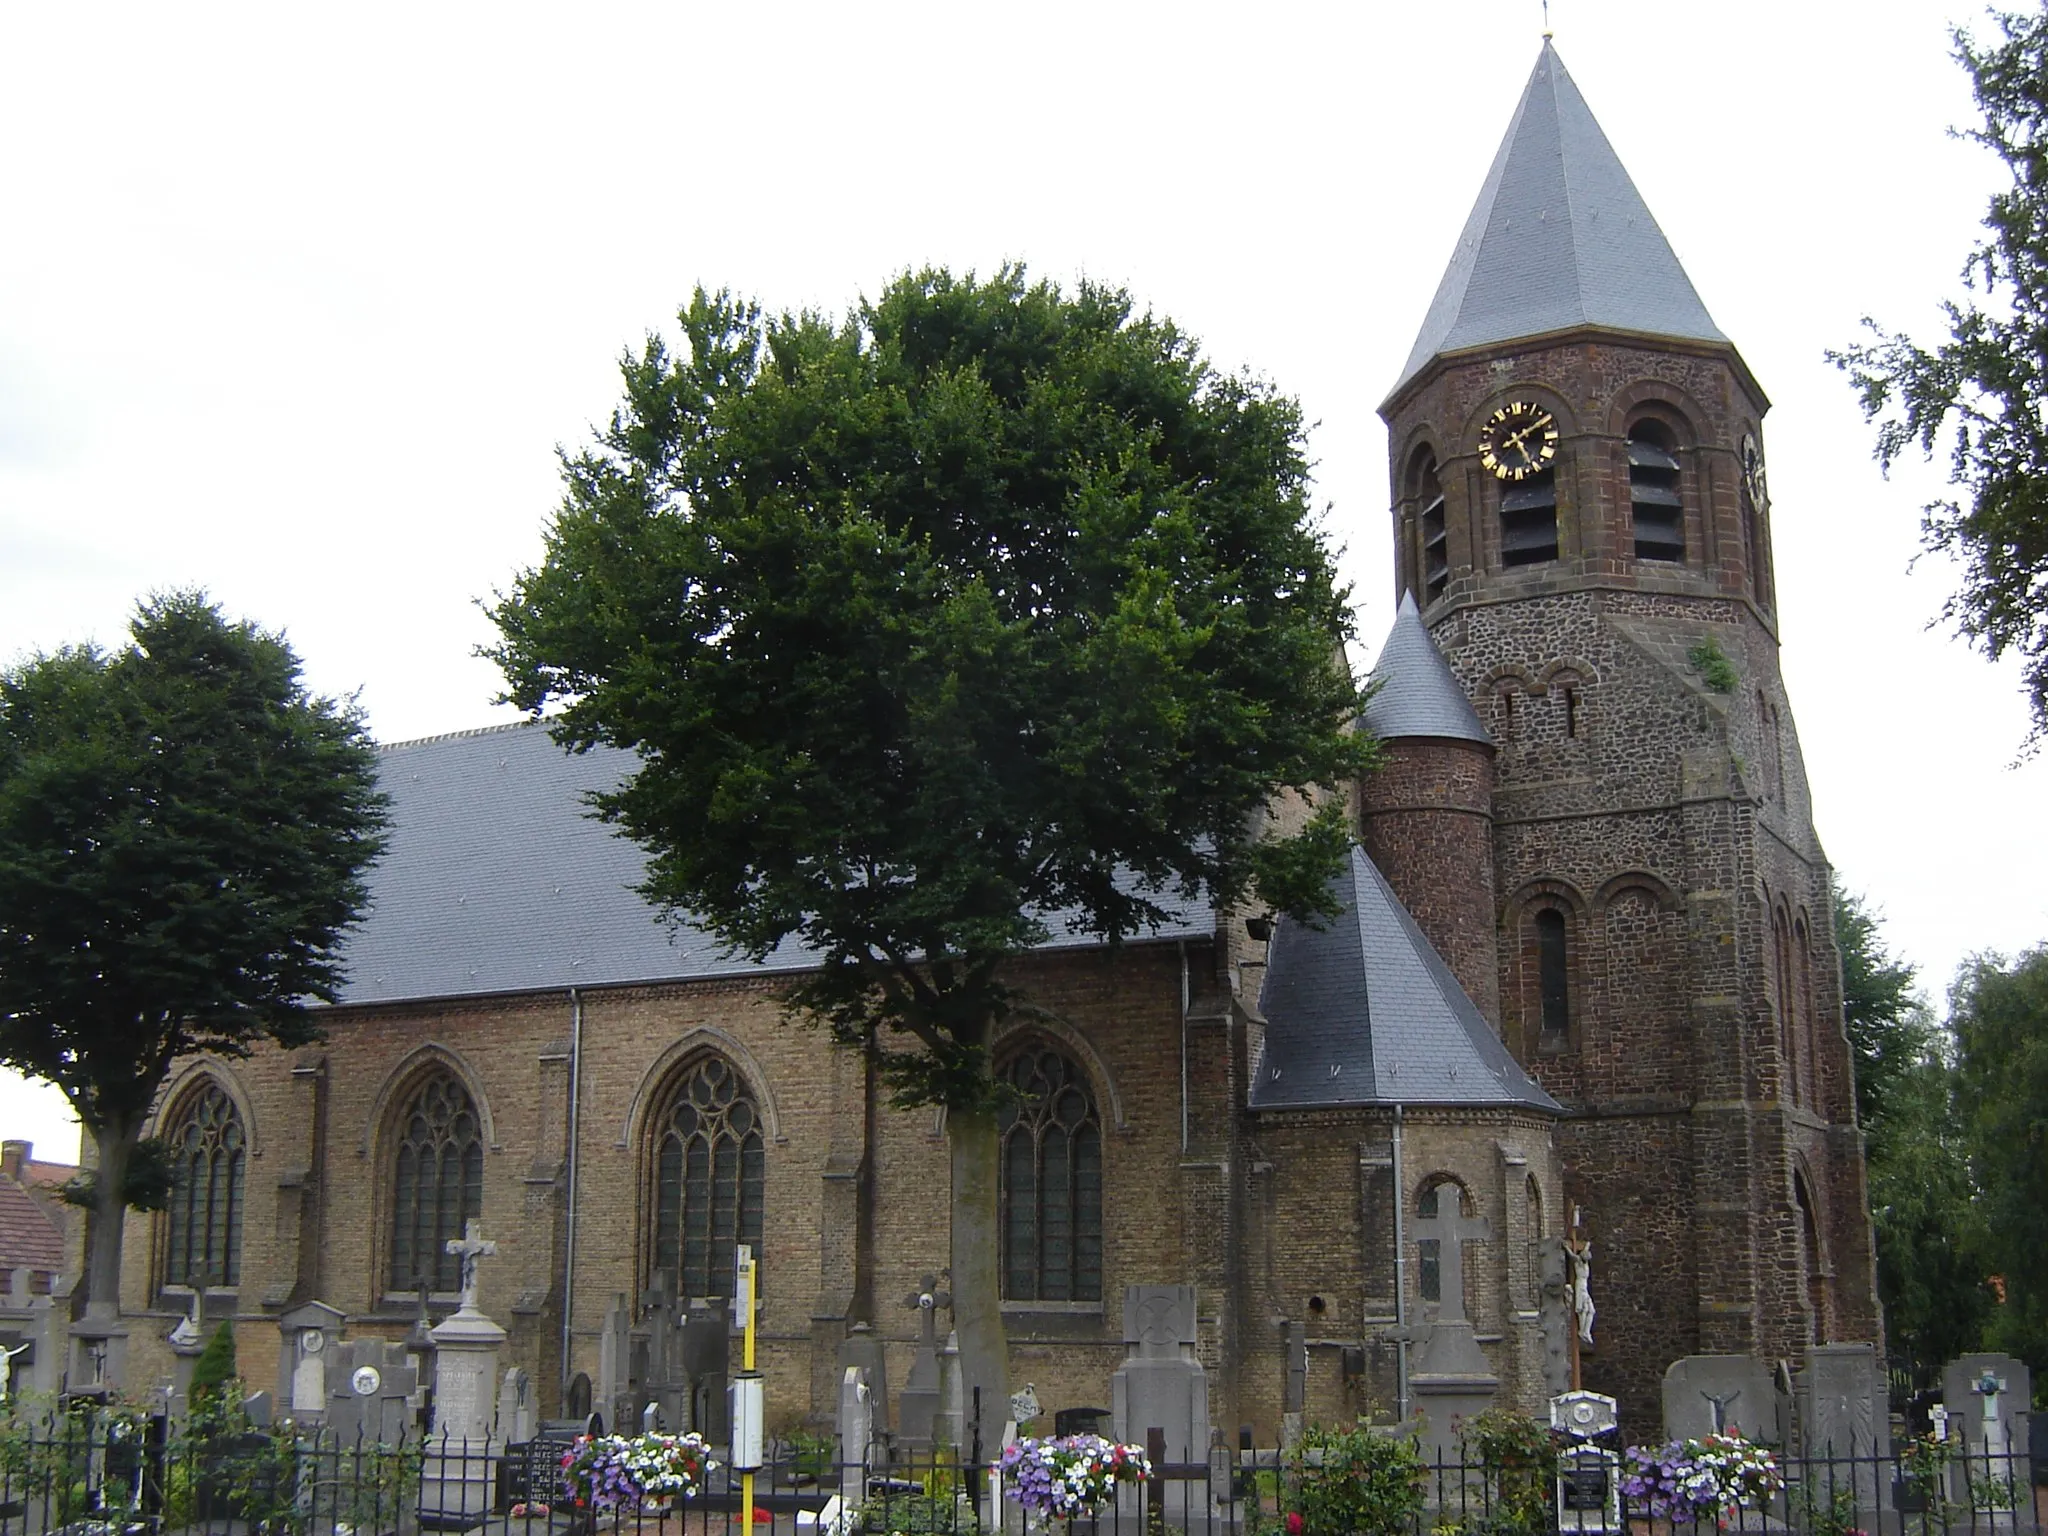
(1756, 526)
(1428, 497)
(1537, 896)
(1041, 1043)
(1817, 1274)
(1663, 432)
(657, 1125)
(1571, 683)
(1678, 413)
(1509, 688)
(186, 1096)
(1787, 993)
(402, 1089)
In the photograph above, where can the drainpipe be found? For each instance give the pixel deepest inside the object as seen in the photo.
(1184, 995)
(575, 1144)
(1400, 1275)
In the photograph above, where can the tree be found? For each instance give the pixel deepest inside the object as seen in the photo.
(989, 612)
(1985, 389)
(1930, 1272)
(1999, 1010)
(183, 832)
(214, 1368)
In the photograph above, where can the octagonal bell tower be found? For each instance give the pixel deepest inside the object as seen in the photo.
(1581, 517)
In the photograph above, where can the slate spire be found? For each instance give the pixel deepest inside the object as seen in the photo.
(1559, 238)
(1415, 691)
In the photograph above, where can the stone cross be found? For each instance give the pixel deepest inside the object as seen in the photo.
(470, 1247)
(1451, 1231)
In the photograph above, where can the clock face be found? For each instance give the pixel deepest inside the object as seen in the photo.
(1753, 473)
(1519, 439)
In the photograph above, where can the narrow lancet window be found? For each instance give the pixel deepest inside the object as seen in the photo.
(1553, 977)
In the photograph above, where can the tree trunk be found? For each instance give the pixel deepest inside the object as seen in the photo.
(114, 1141)
(977, 1274)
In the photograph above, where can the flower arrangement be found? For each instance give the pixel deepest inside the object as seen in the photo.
(1068, 1476)
(1699, 1479)
(609, 1471)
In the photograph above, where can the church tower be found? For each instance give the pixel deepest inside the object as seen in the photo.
(1581, 521)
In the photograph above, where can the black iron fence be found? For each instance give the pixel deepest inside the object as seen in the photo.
(90, 1475)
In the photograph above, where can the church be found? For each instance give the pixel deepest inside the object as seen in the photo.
(1584, 988)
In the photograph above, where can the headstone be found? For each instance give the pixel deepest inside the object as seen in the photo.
(516, 1407)
(308, 1335)
(856, 1436)
(918, 1408)
(863, 1348)
(1588, 1494)
(455, 1478)
(258, 1406)
(615, 1363)
(952, 1420)
(1451, 1380)
(706, 1352)
(663, 1382)
(1706, 1394)
(1161, 1384)
(1989, 1398)
(369, 1383)
(1843, 1413)
(186, 1342)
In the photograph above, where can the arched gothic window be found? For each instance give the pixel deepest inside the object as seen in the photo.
(1789, 1022)
(1815, 1258)
(1659, 512)
(437, 1184)
(1051, 1193)
(203, 1243)
(710, 1174)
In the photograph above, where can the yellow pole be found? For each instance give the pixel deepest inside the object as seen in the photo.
(747, 1365)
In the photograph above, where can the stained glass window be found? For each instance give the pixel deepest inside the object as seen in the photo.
(439, 1183)
(1051, 1172)
(710, 1169)
(204, 1242)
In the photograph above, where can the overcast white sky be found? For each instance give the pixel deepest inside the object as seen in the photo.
(296, 301)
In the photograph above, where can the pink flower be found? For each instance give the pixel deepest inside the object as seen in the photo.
(1293, 1523)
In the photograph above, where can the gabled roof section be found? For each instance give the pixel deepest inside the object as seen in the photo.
(29, 1238)
(1559, 238)
(497, 879)
(1365, 1013)
(1415, 693)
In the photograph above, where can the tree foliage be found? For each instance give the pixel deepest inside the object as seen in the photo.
(1999, 1010)
(183, 831)
(990, 613)
(1930, 1271)
(1984, 390)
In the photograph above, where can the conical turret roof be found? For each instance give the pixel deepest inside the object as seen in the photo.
(1559, 238)
(1364, 1011)
(1415, 693)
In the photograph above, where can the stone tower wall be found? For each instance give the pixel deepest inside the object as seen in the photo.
(1426, 819)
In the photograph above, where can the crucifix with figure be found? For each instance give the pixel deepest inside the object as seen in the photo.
(470, 1247)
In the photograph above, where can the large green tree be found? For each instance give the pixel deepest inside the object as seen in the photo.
(1930, 1273)
(183, 832)
(1984, 390)
(990, 612)
(1999, 1010)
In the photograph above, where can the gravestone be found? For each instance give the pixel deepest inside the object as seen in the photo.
(952, 1420)
(1988, 1398)
(615, 1363)
(1588, 1491)
(1294, 1382)
(370, 1383)
(1161, 1385)
(515, 1407)
(1706, 1394)
(455, 1479)
(186, 1342)
(1451, 1381)
(918, 1407)
(706, 1352)
(307, 1337)
(863, 1348)
(658, 1354)
(1843, 1413)
(31, 1344)
(856, 1425)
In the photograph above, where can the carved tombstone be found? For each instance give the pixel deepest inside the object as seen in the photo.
(1843, 1415)
(310, 1336)
(1706, 1394)
(1161, 1384)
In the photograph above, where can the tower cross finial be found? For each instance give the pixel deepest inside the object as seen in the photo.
(1546, 20)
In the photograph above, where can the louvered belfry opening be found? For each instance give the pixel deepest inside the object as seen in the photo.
(1528, 519)
(1436, 538)
(1653, 492)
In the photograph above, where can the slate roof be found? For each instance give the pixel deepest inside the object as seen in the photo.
(1365, 1013)
(29, 1238)
(496, 880)
(1559, 238)
(1416, 693)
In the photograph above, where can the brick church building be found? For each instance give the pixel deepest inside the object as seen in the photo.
(1586, 963)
